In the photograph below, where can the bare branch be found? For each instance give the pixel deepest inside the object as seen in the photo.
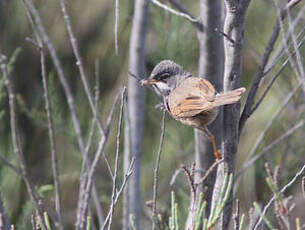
(168, 9)
(52, 141)
(125, 217)
(157, 165)
(289, 184)
(261, 69)
(296, 49)
(15, 137)
(268, 147)
(11, 166)
(182, 9)
(269, 124)
(116, 164)
(41, 30)
(278, 54)
(116, 25)
(80, 65)
(209, 171)
(260, 100)
(88, 179)
(119, 192)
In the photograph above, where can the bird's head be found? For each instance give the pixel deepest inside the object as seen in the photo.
(165, 77)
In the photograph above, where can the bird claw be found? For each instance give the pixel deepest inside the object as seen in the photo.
(218, 155)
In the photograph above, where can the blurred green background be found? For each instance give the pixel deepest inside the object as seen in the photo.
(169, 37)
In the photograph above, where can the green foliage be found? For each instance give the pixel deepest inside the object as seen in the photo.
(267, 221)
(207, 222)
(12, 61)
(88, 223)
(45, 189)
(47, 220)
(173, 219)
(132, 222)
(169, 37)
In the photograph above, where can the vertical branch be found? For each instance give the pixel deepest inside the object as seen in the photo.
(116, 25)
(52, 140)
(15, 137)
(157, 165)
(87, 180)
(80, 64)
(126, 163)
(63, 80)
(136, 101)
(263, 63)
(210, 68)
(233, 27)
(116, 164)
(49, 122)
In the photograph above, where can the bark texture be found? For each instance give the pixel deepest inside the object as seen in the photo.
(136, 103)
(233, 28)
(210, 68)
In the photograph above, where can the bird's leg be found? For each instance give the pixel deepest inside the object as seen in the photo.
(217, 153)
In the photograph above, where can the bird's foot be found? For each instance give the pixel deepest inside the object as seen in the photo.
(218, 155)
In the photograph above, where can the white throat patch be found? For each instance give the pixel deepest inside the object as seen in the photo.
(163, 87)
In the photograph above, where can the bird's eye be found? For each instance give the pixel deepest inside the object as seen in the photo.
(163, 76)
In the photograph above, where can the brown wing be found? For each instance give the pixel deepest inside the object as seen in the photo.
(191, 97)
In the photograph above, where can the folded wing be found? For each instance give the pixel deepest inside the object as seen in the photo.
(192, 96)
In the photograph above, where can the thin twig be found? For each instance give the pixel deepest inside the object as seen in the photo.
(126, 160)
(157, 165)
(63, 80)
(116, 25)
(285, 39)
(296, 49)
(116, 164)
(15, 137)
(80, 65)
(29, 6)
(88, 181)
(278, 54)
(96, 100)
(52, 140)
(168, 9)
(174, 176)
(260, 100)
(119, 192)
(261, 69)
(225, 35)
(182, 9)
(193, 188)
(268, 125)
(289, 184)
(11, 166)
(268, 147)
(209, 171)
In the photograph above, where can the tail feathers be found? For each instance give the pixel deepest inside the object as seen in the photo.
(229, 97)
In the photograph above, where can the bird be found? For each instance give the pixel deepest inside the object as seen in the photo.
(191, 100)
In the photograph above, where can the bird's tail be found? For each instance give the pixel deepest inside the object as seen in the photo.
(230, 97)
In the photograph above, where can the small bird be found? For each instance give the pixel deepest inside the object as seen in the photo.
(188, 99)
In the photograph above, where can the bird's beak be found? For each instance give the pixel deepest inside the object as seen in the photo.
(146, 82)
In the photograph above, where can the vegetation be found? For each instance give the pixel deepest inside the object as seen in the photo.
(66, 153)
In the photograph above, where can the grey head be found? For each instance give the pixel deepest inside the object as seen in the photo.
(166, 76)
